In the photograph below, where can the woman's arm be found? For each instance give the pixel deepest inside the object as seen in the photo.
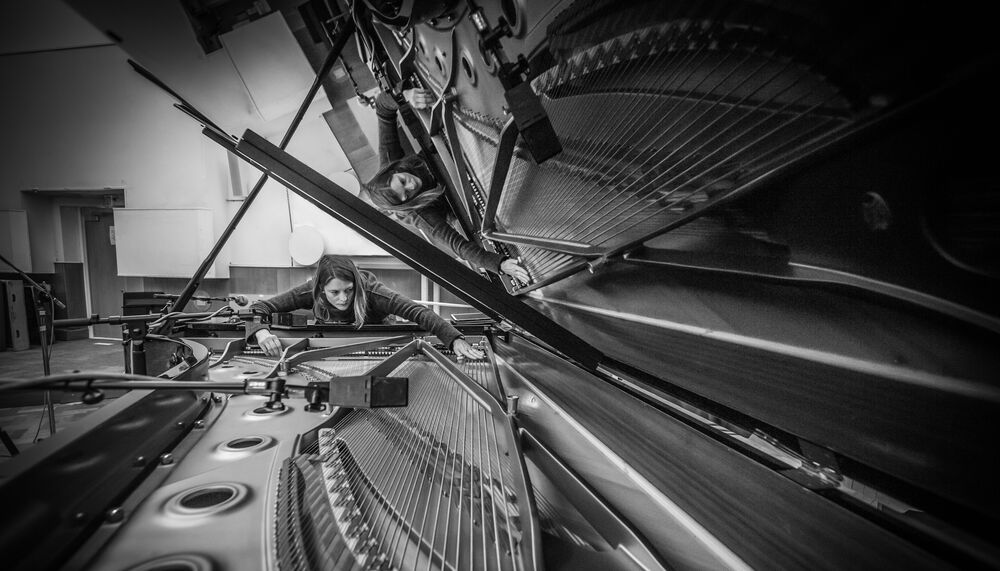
(299, 297)
(389, 147)
(385, 300)
(434, 223)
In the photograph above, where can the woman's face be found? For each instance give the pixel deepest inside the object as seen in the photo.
(339, 293)
(405, 185)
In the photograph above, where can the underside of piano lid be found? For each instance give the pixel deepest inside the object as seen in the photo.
(777, 217)
(763, 242)
(781, 215)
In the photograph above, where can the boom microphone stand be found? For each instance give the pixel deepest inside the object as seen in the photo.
(44, 306)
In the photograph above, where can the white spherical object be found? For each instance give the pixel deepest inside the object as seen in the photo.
(305, 245)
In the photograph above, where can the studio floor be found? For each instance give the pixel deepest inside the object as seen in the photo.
(23, 413)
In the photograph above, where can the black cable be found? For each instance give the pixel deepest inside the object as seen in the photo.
(100, 379)
(11, 384)
(41, 418)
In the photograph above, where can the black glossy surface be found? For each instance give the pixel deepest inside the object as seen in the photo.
(766, 519)
(919, 426)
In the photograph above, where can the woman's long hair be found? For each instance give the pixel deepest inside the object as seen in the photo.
(343, 268)
(383, 197)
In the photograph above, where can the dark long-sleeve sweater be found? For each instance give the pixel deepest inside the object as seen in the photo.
(382, 302)
(432, 221)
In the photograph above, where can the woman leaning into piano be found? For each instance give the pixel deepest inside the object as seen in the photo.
(341, 293)
(405, 189)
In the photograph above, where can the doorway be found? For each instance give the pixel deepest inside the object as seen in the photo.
(102, 269)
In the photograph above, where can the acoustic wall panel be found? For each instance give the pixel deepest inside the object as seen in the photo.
(14, 242)
(271, 64)
(168, 243)
(15, 317)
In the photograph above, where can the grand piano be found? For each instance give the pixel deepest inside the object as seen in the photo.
(761, 328)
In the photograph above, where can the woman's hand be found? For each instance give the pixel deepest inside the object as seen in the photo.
(514, 270)
(461, 347)
(419, 98)
(268, 342)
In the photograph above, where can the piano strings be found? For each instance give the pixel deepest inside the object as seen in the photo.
(726, 108)
(427, 486)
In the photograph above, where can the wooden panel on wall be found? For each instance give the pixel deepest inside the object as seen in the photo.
(254, 280)
(406, 282)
